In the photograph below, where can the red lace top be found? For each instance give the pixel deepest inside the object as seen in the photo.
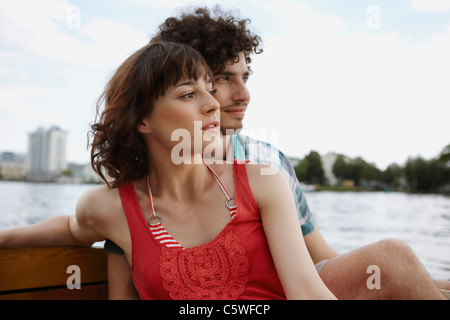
(237, 264)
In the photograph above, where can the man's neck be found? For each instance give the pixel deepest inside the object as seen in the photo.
(228, 152)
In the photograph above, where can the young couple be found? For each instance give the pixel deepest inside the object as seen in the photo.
(193, 231)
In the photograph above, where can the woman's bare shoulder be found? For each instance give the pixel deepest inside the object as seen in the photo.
(99, 200)
(263, 179)
(262, 172)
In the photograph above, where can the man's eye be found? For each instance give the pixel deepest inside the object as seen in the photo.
(222, 79)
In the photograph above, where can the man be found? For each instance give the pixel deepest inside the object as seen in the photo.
(227, 45)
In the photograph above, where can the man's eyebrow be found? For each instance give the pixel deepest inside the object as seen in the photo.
(229, 73)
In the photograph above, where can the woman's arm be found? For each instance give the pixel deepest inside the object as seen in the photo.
(52, 232)
(295, 268)
(74, 230)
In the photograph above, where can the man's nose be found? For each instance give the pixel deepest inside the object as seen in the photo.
(241, 93)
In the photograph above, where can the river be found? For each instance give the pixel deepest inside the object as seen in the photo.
(347, 220)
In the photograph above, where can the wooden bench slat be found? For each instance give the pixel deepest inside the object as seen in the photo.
(87, 292)
(33, 268)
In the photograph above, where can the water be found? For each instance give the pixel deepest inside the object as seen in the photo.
(346, 220)
(351, 220)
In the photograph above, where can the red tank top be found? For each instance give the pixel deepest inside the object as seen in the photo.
(237, 264)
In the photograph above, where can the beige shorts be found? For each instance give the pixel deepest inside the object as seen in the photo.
(320, 265)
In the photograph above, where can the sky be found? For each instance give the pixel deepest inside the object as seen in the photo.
(366, 79)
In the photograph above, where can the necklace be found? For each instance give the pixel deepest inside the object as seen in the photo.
(154, 219)
(153, 214)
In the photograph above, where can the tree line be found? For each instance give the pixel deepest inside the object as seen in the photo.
(417, 175)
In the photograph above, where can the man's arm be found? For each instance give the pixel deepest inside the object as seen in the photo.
(120, 283)
(318, 248)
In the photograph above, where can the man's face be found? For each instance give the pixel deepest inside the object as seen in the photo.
(232, 94)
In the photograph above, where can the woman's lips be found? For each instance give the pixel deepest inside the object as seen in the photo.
(212, 125)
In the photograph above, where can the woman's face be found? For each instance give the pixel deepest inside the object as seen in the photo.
(187, 110)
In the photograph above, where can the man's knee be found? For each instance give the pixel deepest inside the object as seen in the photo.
(397, 250)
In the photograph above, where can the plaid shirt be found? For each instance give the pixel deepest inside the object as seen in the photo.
(246, 148)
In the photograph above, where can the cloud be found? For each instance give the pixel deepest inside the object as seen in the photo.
(14, 104)
(19, 114)
(355, 93)
(430, 5)
(45, 28)
(297, 17)
(172, 3)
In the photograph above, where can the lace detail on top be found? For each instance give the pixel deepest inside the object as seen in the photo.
(218, 271)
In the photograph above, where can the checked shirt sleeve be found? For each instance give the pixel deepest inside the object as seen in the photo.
(247, 148)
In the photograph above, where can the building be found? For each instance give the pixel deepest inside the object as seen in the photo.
(46, 157)
(12, 166)
(328, 161)
(79, 173)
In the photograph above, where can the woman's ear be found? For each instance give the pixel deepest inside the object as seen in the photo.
(144, 126)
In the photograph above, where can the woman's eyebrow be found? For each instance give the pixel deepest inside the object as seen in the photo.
(187, 83)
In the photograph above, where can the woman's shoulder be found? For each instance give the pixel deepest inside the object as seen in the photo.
(262, 172)
(263, 177)
(98, 201)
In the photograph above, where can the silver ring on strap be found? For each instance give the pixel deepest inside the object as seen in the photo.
(226, 202)
(152, 217)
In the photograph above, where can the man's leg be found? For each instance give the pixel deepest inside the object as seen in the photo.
(401, 275)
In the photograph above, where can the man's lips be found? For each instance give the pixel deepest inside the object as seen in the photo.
(238, 111)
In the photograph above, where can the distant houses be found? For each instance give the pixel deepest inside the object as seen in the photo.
(45, 161)
(46, 157)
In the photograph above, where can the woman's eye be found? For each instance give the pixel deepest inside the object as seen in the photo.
(188, 96)
(213, 92)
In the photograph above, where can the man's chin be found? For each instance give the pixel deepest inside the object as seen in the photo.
(231, 130)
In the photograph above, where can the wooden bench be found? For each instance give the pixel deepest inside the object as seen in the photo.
(44, 274)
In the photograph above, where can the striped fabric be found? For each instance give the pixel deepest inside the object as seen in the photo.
(163, 237)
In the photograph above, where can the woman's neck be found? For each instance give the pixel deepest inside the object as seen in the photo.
(180, 182)
(180, 178)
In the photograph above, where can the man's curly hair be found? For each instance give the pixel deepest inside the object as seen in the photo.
(218, 36)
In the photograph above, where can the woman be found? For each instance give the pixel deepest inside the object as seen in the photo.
(188, 230)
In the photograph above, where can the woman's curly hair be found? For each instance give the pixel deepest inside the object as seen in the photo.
(219, 37)
(119, 153)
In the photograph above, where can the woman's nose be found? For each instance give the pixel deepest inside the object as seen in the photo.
(211, 105)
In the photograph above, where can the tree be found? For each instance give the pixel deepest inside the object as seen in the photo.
(67, 173)
(316, 174)
(310, 169)
(301, 170)
(445, 154)
(425, 176)
(365, 172)
(392, 175)
(341, 168)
